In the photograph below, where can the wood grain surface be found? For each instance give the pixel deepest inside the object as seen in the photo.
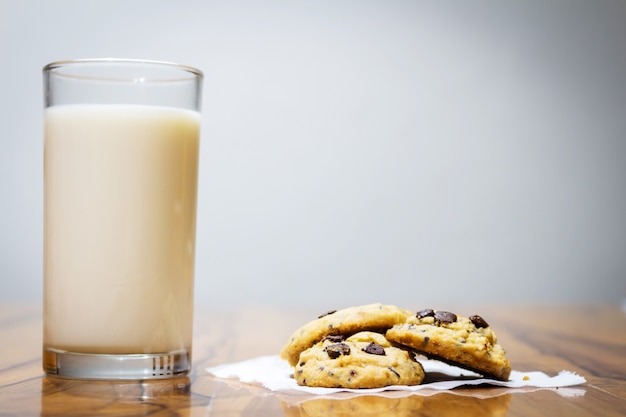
(589, 340)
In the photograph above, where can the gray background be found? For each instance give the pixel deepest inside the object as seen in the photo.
(420, 153)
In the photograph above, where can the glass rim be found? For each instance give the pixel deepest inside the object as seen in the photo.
(52, 66)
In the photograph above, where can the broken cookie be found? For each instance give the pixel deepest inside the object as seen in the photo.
(466, 342)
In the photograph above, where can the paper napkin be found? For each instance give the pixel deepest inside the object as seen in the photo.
(274, 374)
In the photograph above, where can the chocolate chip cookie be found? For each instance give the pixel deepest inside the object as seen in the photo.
(467, 342)
(363, 360)
(372, 317)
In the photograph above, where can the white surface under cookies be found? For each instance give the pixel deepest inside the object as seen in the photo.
(274, 374)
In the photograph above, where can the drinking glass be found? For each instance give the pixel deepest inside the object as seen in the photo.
(121, 141)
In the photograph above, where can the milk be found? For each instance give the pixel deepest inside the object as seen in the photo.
(119, 242)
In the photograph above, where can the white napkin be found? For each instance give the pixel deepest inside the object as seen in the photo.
(274, 374)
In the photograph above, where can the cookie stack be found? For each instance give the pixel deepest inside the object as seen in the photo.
(374, 346)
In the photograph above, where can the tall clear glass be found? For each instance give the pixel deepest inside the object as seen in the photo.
(121, 141)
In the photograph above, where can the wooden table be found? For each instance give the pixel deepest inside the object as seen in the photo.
(589, 340)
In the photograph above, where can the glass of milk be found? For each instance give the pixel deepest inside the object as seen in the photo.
(121, 142)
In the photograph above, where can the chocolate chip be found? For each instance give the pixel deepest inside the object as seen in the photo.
(327, 314)
(478, 321)
(335, 338)
(374, 349)
(336, 350)
(429, 312)
(444, 317)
